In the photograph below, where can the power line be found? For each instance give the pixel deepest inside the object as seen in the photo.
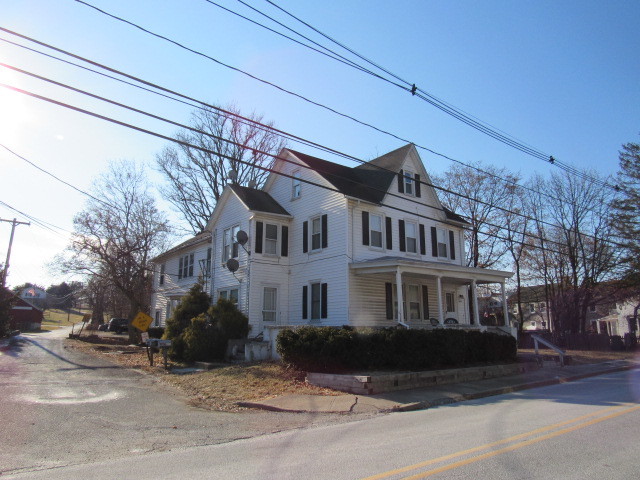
(244, 119)
(271, 170)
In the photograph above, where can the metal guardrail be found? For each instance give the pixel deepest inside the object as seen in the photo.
(538, 339)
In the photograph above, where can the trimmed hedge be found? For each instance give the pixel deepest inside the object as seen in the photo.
(330, 349)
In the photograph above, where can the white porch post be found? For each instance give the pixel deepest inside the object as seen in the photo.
(440, 312)
(474, 295)
(399, 296)
(505, 308)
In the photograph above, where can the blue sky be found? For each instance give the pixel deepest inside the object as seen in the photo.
(561, 76)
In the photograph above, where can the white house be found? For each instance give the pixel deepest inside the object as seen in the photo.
(176, 271)
(331, 245)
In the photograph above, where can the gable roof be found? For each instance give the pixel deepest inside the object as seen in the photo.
(369, 181)
(202, 237)
(258, 200)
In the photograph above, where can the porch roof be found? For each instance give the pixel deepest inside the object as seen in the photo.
(430, 269)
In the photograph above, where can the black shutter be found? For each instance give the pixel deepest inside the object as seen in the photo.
(305, 238)
(258, 247)
(389, 234)
(401, 181)
(388, 295)
(402, 239)
(365, 228)
(417, 182)
(180, 268)
(304, 302)
(284, 246)
(452, 245)
(323, 300)
(425, 302)
(423, 243)
(324, 231)
(434, 242)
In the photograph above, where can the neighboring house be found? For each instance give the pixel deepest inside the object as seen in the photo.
(370, 246)
(614, 318)
(176, 271)
(535, 309)
(34, 296)
(24, 316)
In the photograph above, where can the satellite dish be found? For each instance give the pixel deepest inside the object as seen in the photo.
(233, 175)
(252, 183)
(242, 237)
(233, 265)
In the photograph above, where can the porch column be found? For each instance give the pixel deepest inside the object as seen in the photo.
(474, 295)
(440, 312)
(505, 308)
(399, 296)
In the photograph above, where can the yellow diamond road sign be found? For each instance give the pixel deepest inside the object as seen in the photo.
(142, 321)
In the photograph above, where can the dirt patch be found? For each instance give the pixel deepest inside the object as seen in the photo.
(218, 389)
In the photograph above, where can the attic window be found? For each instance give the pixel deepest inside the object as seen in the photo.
(296, 185)
(409, 183)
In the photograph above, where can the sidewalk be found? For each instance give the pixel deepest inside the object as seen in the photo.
(422, 398)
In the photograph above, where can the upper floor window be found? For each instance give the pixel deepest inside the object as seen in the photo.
(185, 266)
(411, 237)
(442, 243)
(208, 264)
(271, 239)
(319, 234)
(375, 230)
(230, 243)
(408, 180)
(161, 280)
(296, 185)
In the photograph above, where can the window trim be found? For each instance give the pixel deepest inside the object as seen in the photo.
(275, 304)
(415, 238)
(185, 266)
(233, 247)
(442, 231)
(408, 183)
(317, 234)
(381, 231)
(265, 239)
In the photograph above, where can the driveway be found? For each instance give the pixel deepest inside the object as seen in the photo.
(62, 407)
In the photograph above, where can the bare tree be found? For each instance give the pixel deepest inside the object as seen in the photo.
(196, 177)
(477, 196)
(114, 240)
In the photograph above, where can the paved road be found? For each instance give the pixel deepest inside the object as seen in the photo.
(582, 430)
(61, 407)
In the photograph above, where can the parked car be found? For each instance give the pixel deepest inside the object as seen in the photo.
(103, 327)
(118, 325)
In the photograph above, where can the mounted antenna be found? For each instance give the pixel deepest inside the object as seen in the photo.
(242, 238)
(233, 175)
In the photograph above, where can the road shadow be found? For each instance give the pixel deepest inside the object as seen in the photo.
(77, 366)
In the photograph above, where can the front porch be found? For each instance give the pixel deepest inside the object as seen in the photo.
(422, 294)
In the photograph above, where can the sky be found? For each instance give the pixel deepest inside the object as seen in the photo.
(559, 76)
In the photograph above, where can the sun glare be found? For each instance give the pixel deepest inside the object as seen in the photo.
(13, 111)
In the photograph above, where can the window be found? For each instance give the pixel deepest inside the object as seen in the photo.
(450, 301)
(269, 304)
(316, 233)
(532, 308)
(271, 239)
(161, 281)
(375, 229)
(592, 308)
(296, 185)
(316, 294)
(185, 266)
(208, 264)
(315, 301)
(413, 298)
(230, 243)
(158, 312)
(411, 237)
(442, 243)
(229, 294)
(408, 183)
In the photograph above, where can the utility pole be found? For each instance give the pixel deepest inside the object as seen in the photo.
(13, 223)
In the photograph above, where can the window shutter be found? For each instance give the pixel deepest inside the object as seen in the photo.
(180, 268)
(284, 246)
(401, 181)
(304, 302)
(423, 243)
(403, 247)
(323, 300)
(305, 238)
(389, 234)
(388, 295)
(425, 302)
(324, 231)
(434, 242)
(365, 228)
(258, 247)
(452, 245)
(417, 183)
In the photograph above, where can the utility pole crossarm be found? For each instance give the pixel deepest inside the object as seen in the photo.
(14, 223)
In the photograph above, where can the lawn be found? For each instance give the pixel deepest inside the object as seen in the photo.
(54, 318)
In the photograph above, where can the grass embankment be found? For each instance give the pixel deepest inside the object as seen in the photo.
(54, 318)
(224, 386)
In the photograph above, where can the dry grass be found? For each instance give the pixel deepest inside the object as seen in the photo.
(54, 319)
(218, 389)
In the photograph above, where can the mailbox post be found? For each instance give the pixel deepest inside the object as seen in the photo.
(162, 345)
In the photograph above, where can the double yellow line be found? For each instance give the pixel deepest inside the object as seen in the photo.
(555, 431)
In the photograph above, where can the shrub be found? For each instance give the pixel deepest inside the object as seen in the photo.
(202, 340)
(194, 303)
(231, 322)
(155, 332)
(329, 349)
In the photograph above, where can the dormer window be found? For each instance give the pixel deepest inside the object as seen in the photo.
(409, 183)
